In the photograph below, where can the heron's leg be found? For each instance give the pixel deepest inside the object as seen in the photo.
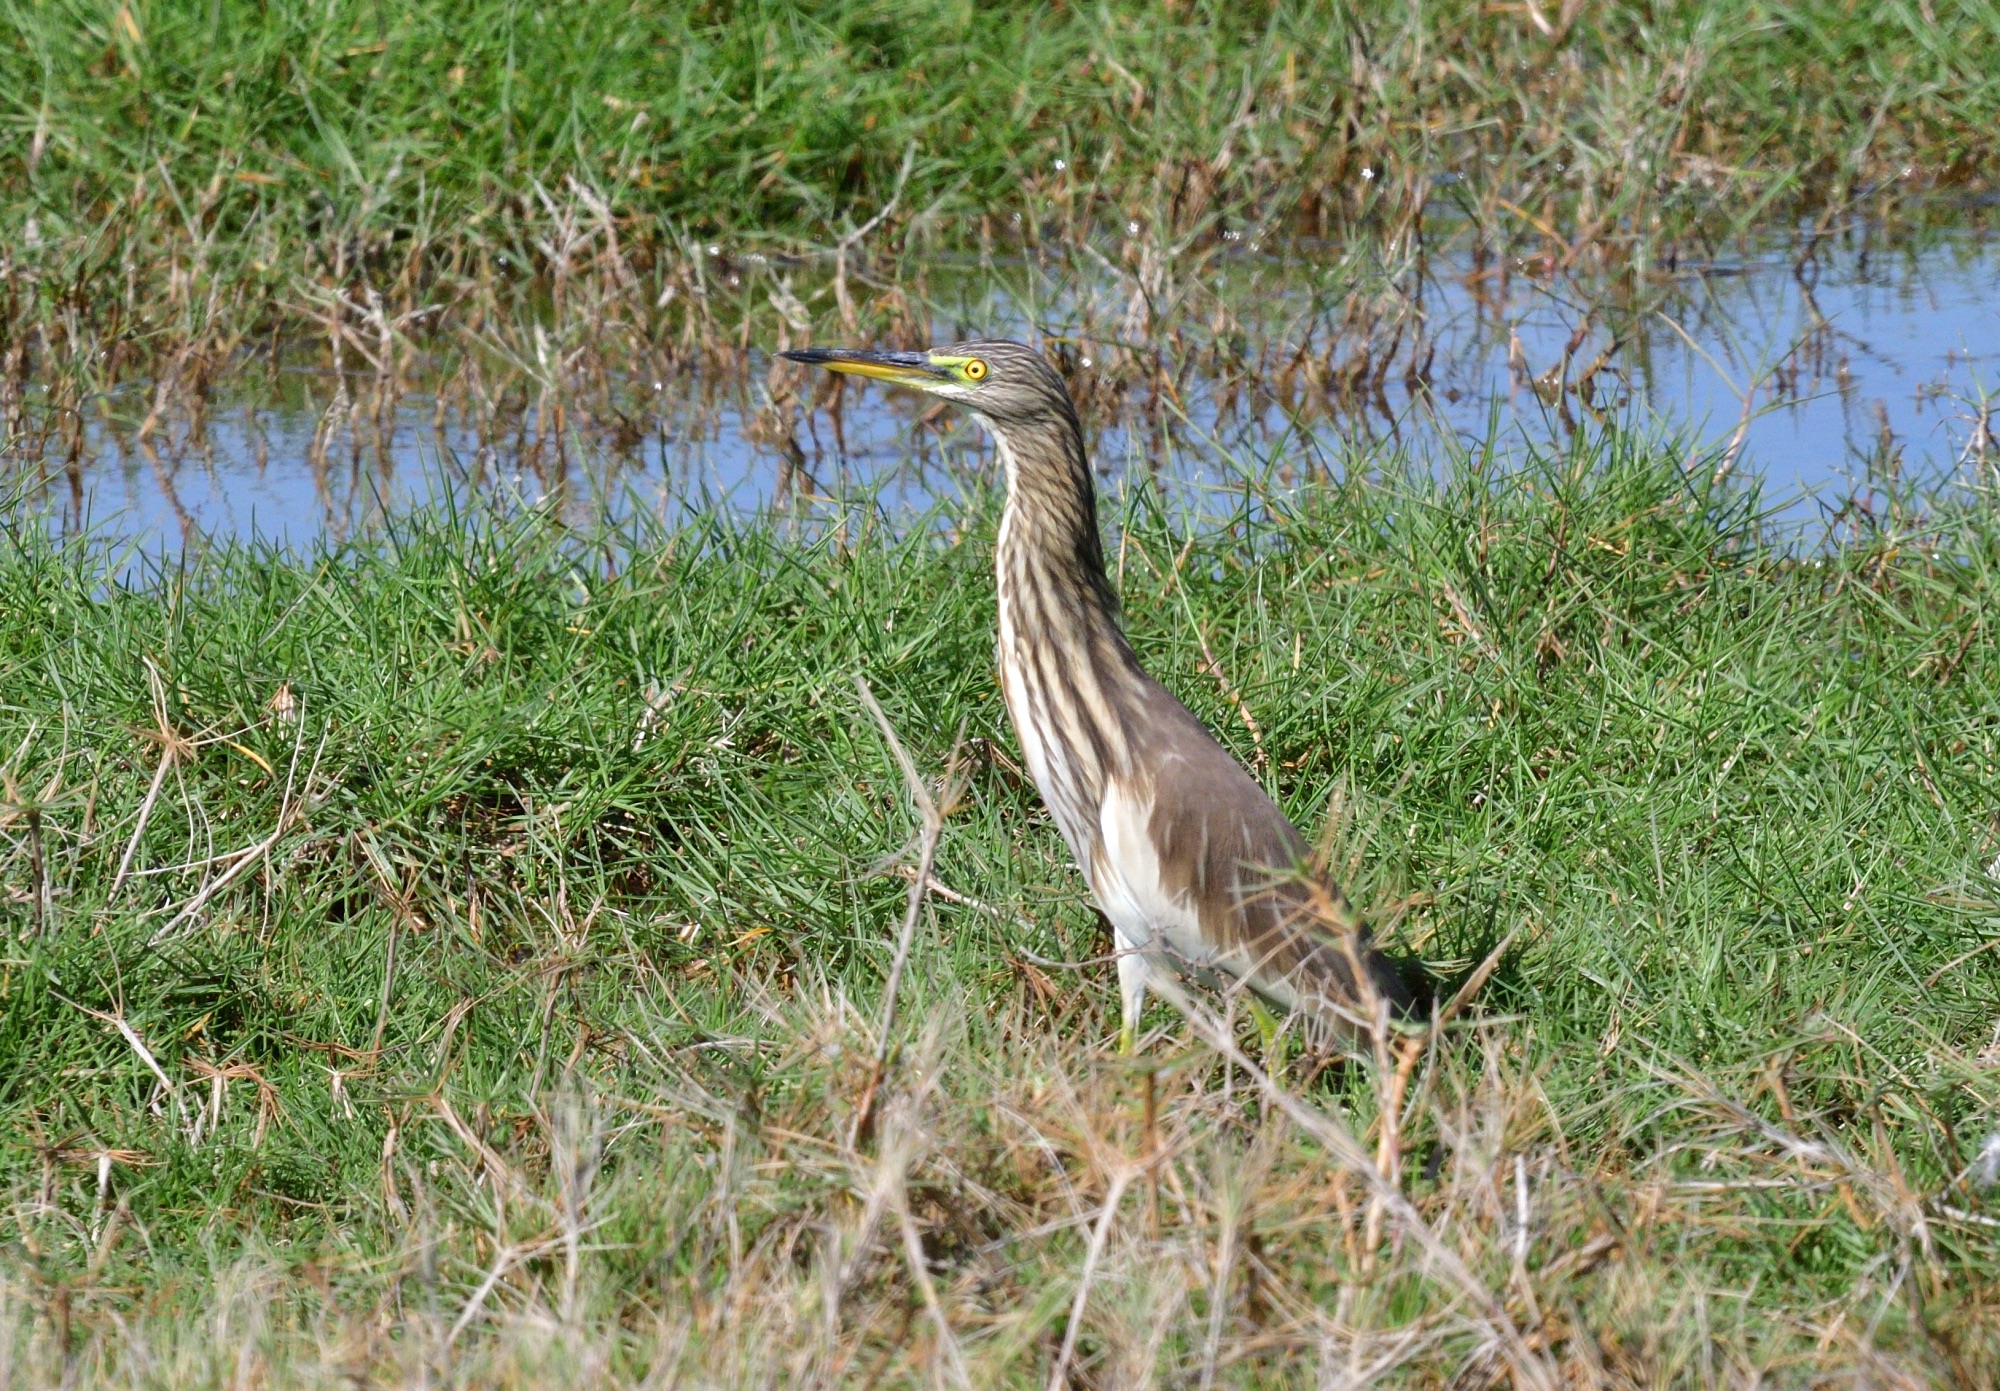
(1131, 992)
(1268, 1025)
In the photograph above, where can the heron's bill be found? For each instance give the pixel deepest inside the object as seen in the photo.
(904, 369)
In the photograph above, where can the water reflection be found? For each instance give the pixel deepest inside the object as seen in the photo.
(1818, 368)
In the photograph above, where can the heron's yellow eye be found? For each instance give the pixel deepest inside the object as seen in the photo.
(975, 370)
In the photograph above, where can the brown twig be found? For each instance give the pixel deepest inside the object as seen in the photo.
(1230, 693)
(250, 854)
(854, 238)
(1099, 1234)
(1529, 1367)
(933, 815)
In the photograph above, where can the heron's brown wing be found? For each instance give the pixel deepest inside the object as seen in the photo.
(1226, 850)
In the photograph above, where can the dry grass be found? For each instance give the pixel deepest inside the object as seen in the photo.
(686, 1234)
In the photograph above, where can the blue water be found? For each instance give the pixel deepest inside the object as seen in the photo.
(1851, 366)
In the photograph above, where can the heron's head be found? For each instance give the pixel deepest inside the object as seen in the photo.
(1008, 385)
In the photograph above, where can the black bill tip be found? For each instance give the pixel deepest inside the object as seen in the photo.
(910, 368)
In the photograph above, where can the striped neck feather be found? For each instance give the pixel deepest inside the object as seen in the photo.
(1074, 687)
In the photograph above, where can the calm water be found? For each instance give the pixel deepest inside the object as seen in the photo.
(1856, 363)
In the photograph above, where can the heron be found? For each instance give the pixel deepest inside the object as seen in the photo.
(1185, 853)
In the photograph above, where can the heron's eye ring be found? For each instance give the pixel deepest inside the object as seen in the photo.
(975, 370)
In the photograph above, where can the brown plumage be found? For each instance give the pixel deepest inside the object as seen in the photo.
(1186, 854)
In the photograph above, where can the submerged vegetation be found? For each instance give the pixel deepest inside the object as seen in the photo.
(459, 957)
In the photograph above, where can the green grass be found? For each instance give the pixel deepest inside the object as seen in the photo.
(178, 177)
(1736, 804)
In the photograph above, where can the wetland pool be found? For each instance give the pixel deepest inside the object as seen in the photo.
(1827, 376)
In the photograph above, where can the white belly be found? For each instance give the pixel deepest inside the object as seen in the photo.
(1130, 888)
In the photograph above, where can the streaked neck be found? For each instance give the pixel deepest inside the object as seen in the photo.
(1050, 524)
(1073, 686)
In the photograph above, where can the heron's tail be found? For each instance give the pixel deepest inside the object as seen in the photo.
(1319, 947)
